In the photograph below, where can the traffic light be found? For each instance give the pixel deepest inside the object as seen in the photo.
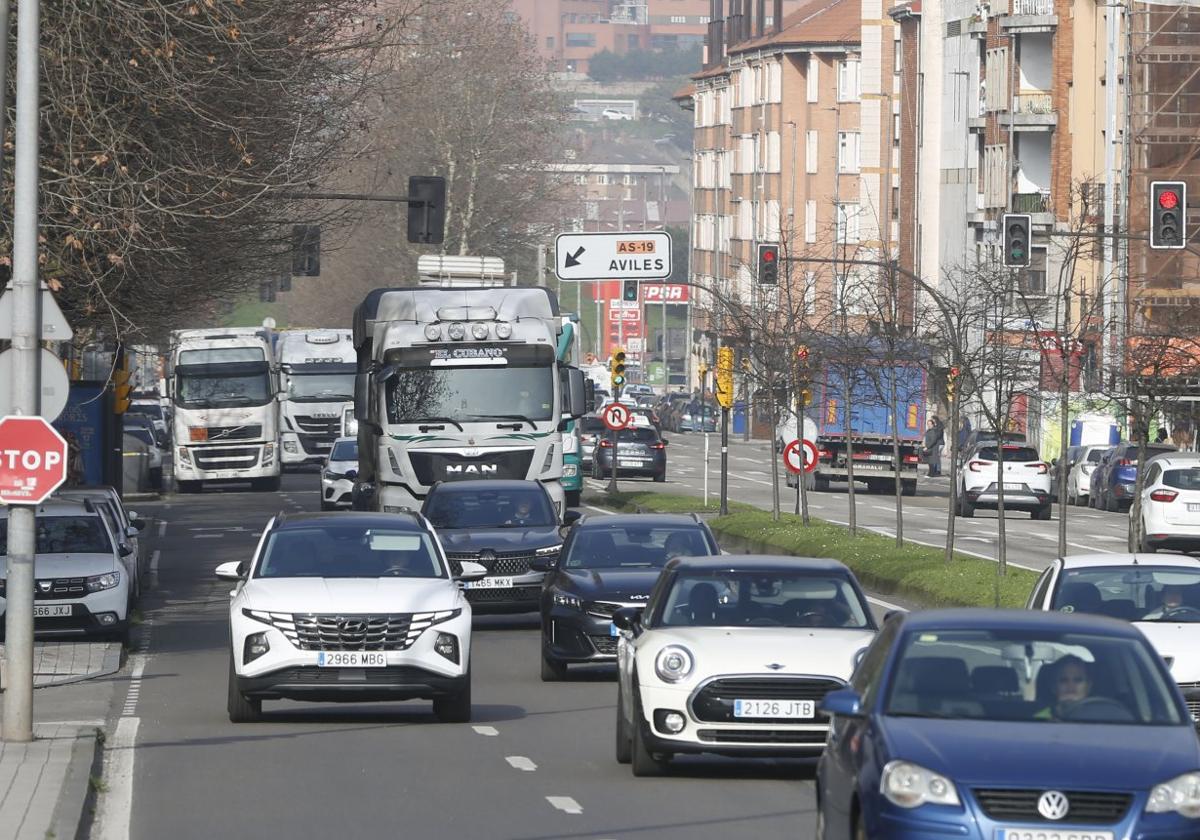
(805, 397)
(768, 265)
(724, 387)
(426, 209)
(306, 250)
(616, 368)
(951, 382)
(122, 383)
(1016, 239)
(1168, 214)
(629, 290)
(745, 364)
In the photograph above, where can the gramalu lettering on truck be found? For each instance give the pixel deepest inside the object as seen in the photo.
(316, 377)
(226, 414)
(456, 383)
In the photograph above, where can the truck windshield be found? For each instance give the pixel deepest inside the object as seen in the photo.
(321, 387)
(216, 385)
(415, 394)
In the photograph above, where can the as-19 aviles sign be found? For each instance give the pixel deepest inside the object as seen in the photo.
(630, 255)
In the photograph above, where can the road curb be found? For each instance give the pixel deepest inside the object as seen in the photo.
(110, 665)
(76, 808)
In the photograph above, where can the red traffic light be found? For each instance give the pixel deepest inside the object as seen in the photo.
(1168, 199)
(953, 373)
(768, 255)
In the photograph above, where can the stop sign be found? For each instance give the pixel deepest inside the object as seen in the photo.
(33, 460)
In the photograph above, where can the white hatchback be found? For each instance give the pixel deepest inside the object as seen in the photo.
(1026, 480)
(1159, 594)
(1079, 479)
(732, 655)
(1170, 516)
(349, 607)
(338, 474)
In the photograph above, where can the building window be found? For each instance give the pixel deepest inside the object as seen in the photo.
(848, 90)
(812, 78)
(896, 130)
(895, 202)
(704, 20)
(847, 151)
(581, 39)
(581, 180)
(810, 292)
(602, 179)
(847, 223)
(995, 85)
(810, 221)
(1032, 280)
(678, 19)
(627, 180)
(550, 43)
(897, 56)
(810, 152)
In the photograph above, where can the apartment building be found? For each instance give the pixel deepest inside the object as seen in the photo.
(795, 144)
(611, 184)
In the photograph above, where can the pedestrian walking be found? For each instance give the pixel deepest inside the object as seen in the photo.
(935, 439)
(964, 431)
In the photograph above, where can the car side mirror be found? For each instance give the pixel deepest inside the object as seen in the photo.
(232, 570)
(352, 474)
(543, 564)
(887, 616)
(124, 550)
(571, 517)
(471, 571)
(628, 618)
(564, 423)
(139, 524)
(132, 530)
(845, 702)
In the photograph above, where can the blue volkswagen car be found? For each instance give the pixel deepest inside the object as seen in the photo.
(1009, 725)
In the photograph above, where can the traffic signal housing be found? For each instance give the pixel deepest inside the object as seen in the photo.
(768, 265)
(1168, 214)
(426, 209)
(616, 368)
(122, 377)
(629, 290)
(306, 250)
(724, 386)
(1017, 227)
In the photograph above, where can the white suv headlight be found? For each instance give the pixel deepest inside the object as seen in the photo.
(1181, 794)
(910, 786)
(674, 663)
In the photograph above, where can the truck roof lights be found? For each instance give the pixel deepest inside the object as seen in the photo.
(321, 338)
(503, 330)
(479, 331)
(433, 332)
(457, 331)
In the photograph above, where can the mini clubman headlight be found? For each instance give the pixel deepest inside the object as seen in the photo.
(674, 663)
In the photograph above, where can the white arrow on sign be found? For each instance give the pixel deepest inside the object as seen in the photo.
(54, 323)
(630, 255)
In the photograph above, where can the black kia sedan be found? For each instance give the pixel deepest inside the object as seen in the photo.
(607, 562)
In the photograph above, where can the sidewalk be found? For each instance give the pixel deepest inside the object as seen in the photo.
(44, 784)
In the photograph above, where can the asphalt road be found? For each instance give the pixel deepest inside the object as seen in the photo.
(536, 761)
(1030, 543)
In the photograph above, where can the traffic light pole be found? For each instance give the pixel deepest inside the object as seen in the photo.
(612, 473)
(724, 461)
(26, 342)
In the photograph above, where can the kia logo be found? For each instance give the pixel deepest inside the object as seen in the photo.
(1053, 805)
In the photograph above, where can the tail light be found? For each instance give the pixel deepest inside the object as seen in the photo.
(1125, 462)
(911, 459)
(605, 444)
(1042, 468)
(824, 453)
(1163, 496)
(976, 466)
(658, 445)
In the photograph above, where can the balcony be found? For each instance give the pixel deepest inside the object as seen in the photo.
(1031, 111)
(1036, 204)
(1030, 16)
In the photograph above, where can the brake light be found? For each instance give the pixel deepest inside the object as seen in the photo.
(824, 453)
(976, 466)
(911, 459)
(1163, 496)
(861, 456)
(1042, 468)
(658, 445)
(1125, 462)
(605, 444)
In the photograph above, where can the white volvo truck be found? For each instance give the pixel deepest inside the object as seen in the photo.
(458, 378)
(226, 409)
(316, 376)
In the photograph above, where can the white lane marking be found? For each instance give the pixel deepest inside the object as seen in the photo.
(886, 508)
(116, 805)
(520, 762)
(943, 545)
(599, 510)
(885, 604)
(1090, 548)
(489, 731)
(1107, 538)
(208, 536)
(135, 686)
(154, 562)
(566, 804)
(748, 478)
(228, 529)
(162, 529)
(82, 723)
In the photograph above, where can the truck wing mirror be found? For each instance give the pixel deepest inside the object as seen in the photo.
(577, 391)
(362, 389)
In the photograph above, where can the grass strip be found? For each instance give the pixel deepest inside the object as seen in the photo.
(916, 572)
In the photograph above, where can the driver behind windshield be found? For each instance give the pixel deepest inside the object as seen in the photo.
(1072, 684)
(1172, 599)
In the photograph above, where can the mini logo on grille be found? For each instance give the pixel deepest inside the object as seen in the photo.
(487, 557)
(352, 625)
(43, 586)
(776, 666)
(1053, 805)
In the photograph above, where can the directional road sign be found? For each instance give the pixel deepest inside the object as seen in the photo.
(630, 255)
(33, 460)
(800, 456)
(616, 416)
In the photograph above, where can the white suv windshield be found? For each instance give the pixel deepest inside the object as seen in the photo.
(65, 535)
(349, 551)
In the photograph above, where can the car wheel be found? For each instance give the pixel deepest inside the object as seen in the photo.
(908, 487)
(821, 485)
(552, 670)
(574, 497)
(661, 477)
(624, 748)
(327, 506)
(241, 709)
(1042, 513)
(860, 826)
(454, 708)
(1111, 504)
(266, 485)
(645, 763)
(965, 509)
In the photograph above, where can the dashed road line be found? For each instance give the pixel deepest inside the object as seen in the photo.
(520, 762)
(116, 805)
(487, 731)
(565, 804)
(162, 529)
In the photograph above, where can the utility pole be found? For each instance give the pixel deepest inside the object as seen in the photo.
(26, 342)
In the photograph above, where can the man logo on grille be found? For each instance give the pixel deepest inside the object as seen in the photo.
(1053, 805)
(352, 625)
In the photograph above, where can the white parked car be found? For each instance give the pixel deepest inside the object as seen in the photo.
(1079, 478)
(615, 114)
(349, 607)
(1159, 593)
(124, 525)
(1026, 480)
(1170, 516)
(81, 585)
(732, 655)
(338, 474)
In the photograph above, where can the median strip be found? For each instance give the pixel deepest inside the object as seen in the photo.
(916, 572)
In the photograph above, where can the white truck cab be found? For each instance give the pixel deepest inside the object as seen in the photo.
(316, 378)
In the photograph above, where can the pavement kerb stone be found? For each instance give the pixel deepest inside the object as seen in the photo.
(76, 802)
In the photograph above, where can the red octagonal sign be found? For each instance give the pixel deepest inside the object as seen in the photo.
(33, 460)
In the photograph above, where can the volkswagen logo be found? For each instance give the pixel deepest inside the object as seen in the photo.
(1053, 805)
(352, 625)
(487, 557)
(776, 666)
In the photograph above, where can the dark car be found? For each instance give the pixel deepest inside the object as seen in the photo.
(998, 724)
(608, 562)
(641, 451)
(1112, 488)
(503, 526)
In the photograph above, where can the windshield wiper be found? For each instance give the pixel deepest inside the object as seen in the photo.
(426, 423)
(233, 400)
(520, 417)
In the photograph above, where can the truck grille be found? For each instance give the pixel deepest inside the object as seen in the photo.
(324, 426)
(450, 466)
(331, 632)
(714, 702)
(1095, 807)
(225, 458)
(48, 589)
(217, 434)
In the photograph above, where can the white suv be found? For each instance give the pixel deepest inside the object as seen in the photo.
(349, 607)
(1170, 515)
(1026, 480)
(81, 586)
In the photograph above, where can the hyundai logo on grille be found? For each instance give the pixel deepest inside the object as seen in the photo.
(352, 625)
(1053, 805)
